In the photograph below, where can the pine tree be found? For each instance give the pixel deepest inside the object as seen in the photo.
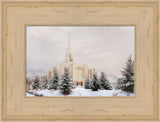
(118, 84)
(44, 84)
(53, 84)
(95, 83)
(67, 84)
(104, 82)
(35, 84)
(87, 84)
(127, 80)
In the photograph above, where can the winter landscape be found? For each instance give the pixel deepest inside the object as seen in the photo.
(80, 61)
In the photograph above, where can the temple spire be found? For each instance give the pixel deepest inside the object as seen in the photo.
(69, 57)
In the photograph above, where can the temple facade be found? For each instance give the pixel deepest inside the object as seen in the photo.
(79, 72)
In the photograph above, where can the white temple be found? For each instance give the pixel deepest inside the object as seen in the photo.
(79, 72)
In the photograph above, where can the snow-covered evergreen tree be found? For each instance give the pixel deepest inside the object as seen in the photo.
(87, 84)
(35, 84)
(118, 84)
(66, 84)
(95, 83)
(53, 84)
(127, 81)
(44, 84)
(104, 82)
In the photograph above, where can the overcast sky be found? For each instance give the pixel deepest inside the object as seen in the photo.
(106, 48)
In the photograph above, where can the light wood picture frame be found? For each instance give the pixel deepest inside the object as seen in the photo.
(17, 14)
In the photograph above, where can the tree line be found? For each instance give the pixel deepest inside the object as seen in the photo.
(98, 83)
(125, 83)
(65, 84)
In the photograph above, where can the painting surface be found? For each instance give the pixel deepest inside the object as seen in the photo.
(80, 61)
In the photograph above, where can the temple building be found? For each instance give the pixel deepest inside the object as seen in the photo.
(79, 72)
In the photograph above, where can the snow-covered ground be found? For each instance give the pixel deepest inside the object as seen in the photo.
(29, 95)
(78, 91)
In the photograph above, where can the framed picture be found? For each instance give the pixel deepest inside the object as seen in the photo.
(80, 60)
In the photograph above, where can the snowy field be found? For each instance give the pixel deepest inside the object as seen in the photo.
(78, 91)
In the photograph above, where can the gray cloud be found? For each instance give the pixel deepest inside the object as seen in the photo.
(106, 48)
